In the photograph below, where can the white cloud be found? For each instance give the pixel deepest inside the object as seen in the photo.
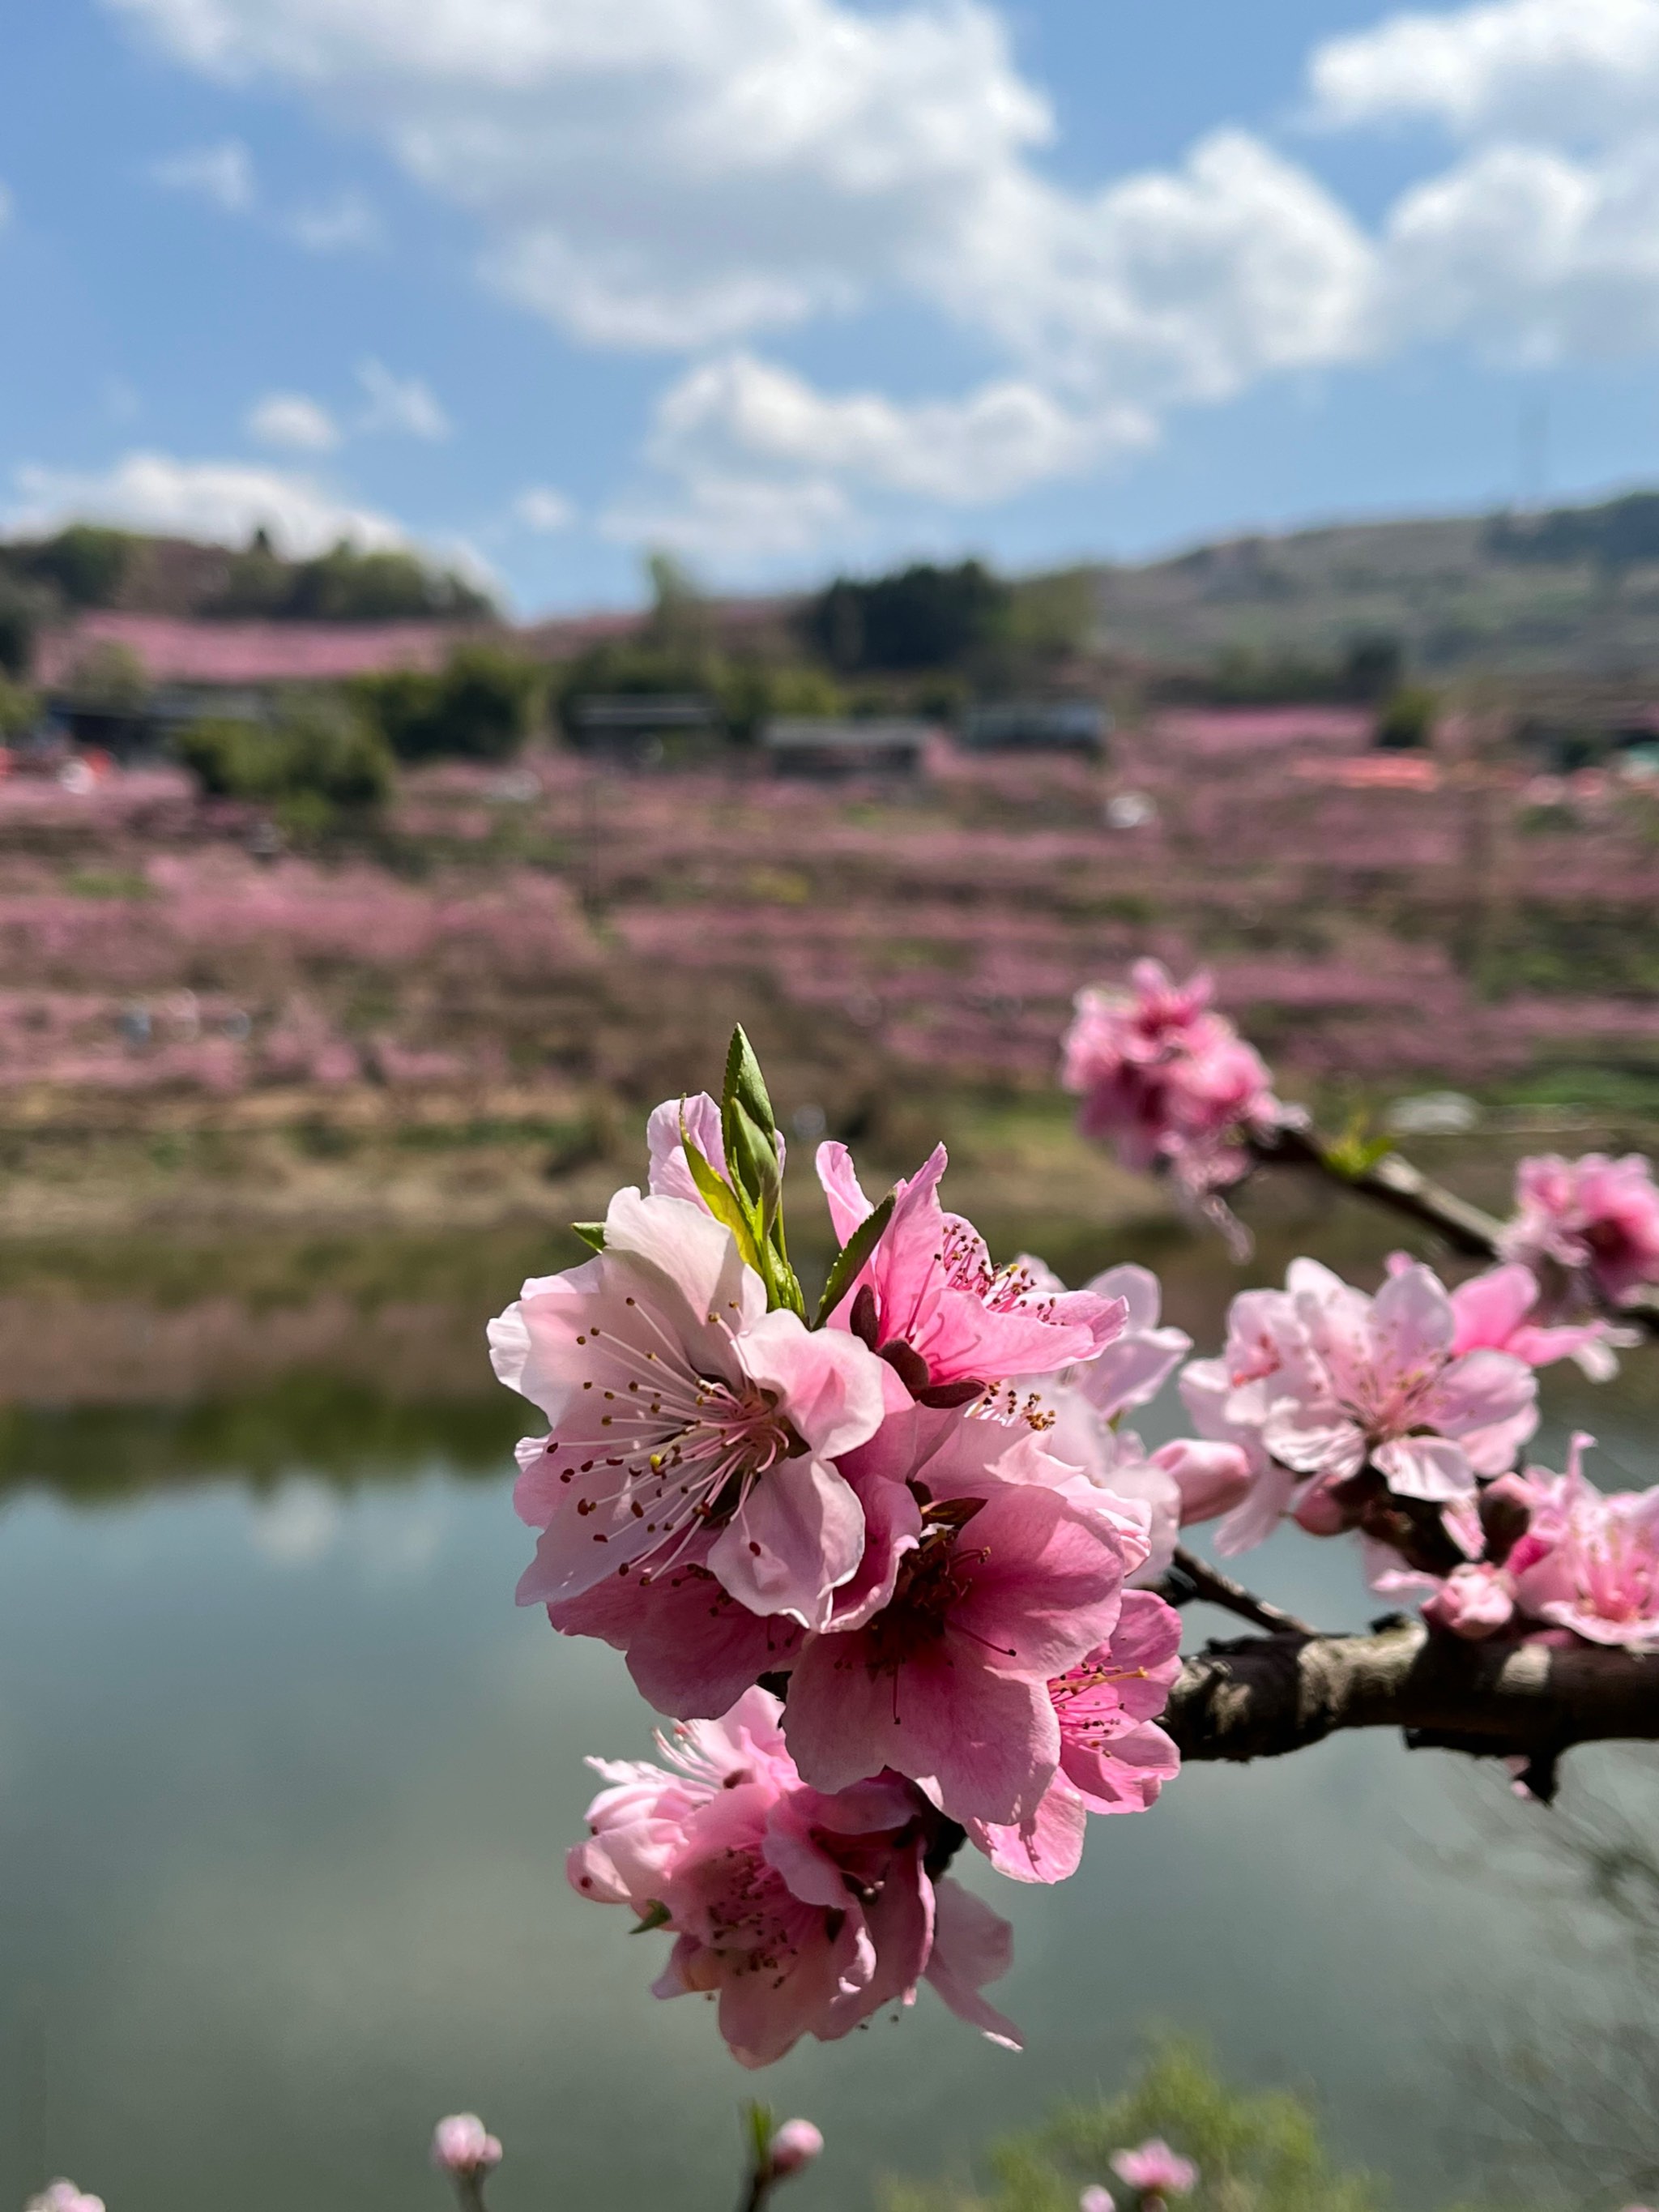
(1529, 254)
(539, 508)
(221, 501)
(680, 173)
(1534, 68)
(345, 225)
(222, 174)
(290, 420)
(401, 405)
(739, 413)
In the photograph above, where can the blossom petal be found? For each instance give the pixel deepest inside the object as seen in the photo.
(972, 1946)
(796, 1537)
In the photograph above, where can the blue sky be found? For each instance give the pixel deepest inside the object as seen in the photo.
(794, 285)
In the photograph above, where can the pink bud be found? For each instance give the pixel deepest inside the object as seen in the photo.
(462, 2145)
(1211, 1478)
(1318, 1513)
(796, 2144)
(1096, 2199)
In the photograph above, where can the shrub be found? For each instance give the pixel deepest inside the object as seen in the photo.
(481, 707)
(1256, 2150)
(1407, 722)
(318, 760)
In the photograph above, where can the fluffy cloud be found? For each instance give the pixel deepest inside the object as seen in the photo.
(289, 419)
(1532, 255)
(222, 174)
(402, 405)
(687, 175)
(679, 173)
(740, 416)
(1530, 68)
(221, 502)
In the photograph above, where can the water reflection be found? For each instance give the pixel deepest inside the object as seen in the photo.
(285, 1783)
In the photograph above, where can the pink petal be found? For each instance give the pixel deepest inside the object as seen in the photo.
(1430, 1468)
(1490, 1308)
(847, 1204)
(1048, 1847)
(798, 1534)
(833, 1385)
(972, 1946)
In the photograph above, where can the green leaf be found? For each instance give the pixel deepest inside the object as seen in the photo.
(745, 1086)
(762, 2127)
(722, 1202)
(850, 1260)
(1354, 1153)
(591, 1233)
(656, 1915)
(752, 1160)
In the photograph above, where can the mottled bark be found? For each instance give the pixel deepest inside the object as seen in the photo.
(1262, 1695)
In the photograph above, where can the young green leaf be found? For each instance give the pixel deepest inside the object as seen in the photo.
(745, 1086)
(591, 1233)
(752, 1160)
(655, 1914)
(850, 1260)
(722, 1202)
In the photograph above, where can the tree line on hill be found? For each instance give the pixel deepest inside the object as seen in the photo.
(87, 568)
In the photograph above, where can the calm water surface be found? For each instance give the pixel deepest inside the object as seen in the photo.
(286, 1783)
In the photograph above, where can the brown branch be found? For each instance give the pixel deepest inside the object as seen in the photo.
(1203, 1581)
(1261, 1697)
(1393, 1181)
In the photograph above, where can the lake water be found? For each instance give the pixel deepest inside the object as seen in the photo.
(286, 1783)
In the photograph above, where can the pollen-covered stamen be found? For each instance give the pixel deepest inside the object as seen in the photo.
(682, 1449)
(932, 1581)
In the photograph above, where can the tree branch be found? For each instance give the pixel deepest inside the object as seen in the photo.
(1393, 1181)
(1264, 1696)
(1191, 1577)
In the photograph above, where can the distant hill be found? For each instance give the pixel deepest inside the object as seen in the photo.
(1573, 591)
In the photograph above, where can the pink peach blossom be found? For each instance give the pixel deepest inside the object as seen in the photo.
(1166, 1079)
(1590, 1559)
(462, 2145)
(1009, 1584)
(1096, 2199)
(1335, 1380)
(929, 1301)
(1598, 1217)
(1112, 1757)
(679, 1406)
(1154, 2167)
(1499, 1311)
(804, 1913)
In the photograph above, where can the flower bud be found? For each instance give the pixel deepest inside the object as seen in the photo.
(461, 2145)
(796, 2144)
(1096, 2199)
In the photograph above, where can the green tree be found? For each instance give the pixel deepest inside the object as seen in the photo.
(1256, 2150)
(1406, 721)
(319, 761)
(923, 617)
(482, 706)
(86, 564)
